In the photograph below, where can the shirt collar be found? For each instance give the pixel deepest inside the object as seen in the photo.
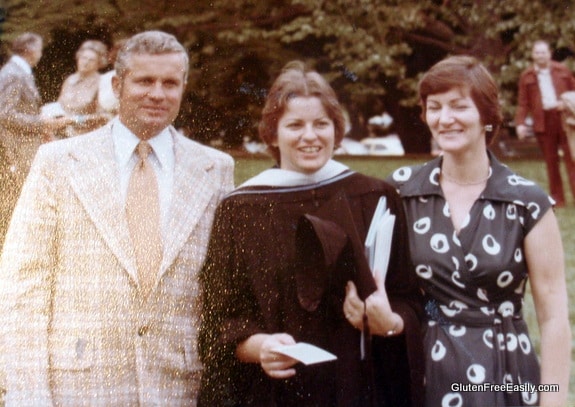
(502, 185)
(543, 71)
(22, 63)
(125, 143)
(277, 177)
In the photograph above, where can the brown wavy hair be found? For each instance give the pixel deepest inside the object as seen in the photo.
(297, 80)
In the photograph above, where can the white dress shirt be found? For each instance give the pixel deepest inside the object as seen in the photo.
(162, 159)
(548, 95)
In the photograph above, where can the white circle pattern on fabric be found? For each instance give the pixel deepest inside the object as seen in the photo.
(424, 271)
(438, 351)
(455, 277)
(434, 176)
(439, 243)
(506, 309)
(535, 209)
(455, 261)
(489, 212)
(476, 373)
(455, 239)
(482, 294)
(529, 398)
(402, 174)
(490, 245)
(446, 211)
(517, 180)
(524, 343)
(452, 400)
(504, 279)
(457, 330)
(512, 342)
(455, 307)
(422, 226)
(511, 212)
(487, 311)
(488, 338)
(518, 255)
(471, 261)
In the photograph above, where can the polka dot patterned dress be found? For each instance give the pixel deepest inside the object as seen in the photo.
(478, 350)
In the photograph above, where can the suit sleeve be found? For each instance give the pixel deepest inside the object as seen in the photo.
(13, 118)
(26, 270)
(522, 102)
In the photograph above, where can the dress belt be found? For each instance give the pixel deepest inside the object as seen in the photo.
(471, 317)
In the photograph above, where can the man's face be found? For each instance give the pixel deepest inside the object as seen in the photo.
(541, 55)
(151, 92)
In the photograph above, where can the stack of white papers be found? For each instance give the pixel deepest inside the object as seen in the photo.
(378, 240)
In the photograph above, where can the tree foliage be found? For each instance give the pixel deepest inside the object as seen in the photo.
(372, 51)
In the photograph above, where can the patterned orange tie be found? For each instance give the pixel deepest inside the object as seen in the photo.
(143, 213)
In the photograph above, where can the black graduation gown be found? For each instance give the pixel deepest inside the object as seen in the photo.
(278, 261)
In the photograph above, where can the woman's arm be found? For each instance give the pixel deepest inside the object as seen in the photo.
(545, 261)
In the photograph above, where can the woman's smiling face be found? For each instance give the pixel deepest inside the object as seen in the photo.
(455, 121)
(305, 135)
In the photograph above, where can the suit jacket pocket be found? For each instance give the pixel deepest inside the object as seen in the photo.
(175, 356)
(72, 353)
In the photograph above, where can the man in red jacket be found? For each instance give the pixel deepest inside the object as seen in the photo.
(540, 88)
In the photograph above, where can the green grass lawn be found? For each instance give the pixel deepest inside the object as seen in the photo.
(532, 169)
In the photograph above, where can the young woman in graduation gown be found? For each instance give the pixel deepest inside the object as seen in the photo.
(285, 249)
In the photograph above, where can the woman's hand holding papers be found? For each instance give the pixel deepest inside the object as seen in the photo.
(259, 348)
(381, 318)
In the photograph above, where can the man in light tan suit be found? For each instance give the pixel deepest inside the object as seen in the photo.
(82, 323)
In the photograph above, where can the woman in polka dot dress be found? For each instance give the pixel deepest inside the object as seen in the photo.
(478, 231)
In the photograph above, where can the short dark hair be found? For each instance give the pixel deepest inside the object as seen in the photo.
(465, 72)
(295, 80)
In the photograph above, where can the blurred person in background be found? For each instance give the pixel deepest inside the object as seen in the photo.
(22, 128)
(78, 97)
(539, 97)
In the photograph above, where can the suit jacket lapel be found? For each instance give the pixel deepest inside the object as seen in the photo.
(191, 194)
(96, 184)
